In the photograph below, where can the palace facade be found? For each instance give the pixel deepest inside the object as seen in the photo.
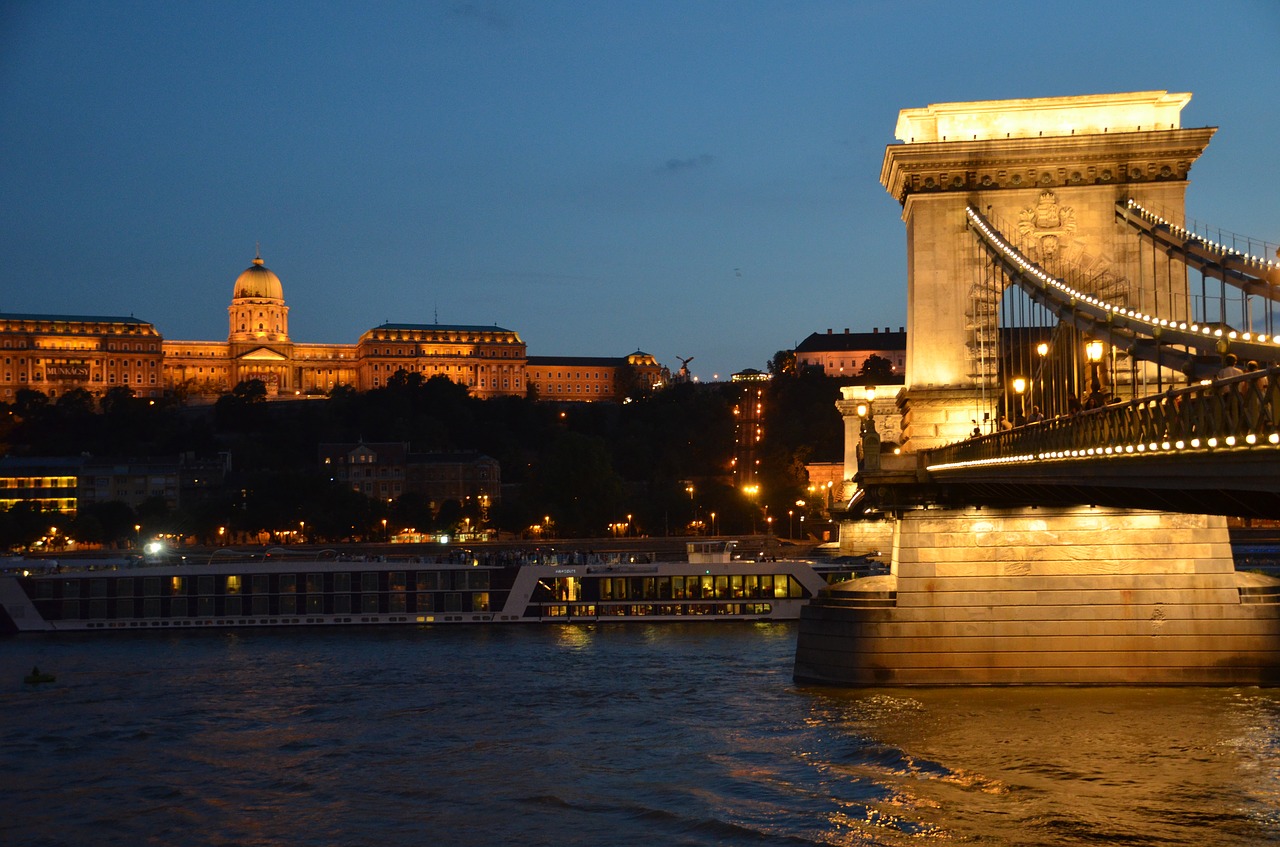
(844, 354)
(57, 353)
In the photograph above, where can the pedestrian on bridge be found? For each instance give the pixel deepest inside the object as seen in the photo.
(1229, 367)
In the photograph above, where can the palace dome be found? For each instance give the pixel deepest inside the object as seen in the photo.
(258, 281)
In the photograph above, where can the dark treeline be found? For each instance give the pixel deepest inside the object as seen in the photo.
(665, 459)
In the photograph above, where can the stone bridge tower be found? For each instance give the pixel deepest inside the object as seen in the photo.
(1050, 170)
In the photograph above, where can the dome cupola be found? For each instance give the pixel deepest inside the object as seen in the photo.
(257, 312)
(258, 281)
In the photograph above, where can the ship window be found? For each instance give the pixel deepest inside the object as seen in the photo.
(426, 603)
(735, 586)
(369, 581)
(178, 606)
(177, 585)
(98, 588)
(452, 602)
(341, 582)
(426, 580)
(288, 583)
(233, 584)
(261, 584)
(315, 583)
(480, 601)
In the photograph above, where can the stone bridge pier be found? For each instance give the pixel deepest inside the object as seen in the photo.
(1033, 596)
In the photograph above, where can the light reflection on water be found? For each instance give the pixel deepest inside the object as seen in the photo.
(585, 735)
(1068, 765)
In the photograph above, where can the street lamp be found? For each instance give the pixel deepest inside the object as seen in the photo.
(1019, 386)
(1043, 350)
(1093, 352)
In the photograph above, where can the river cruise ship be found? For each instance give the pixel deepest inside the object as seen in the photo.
(274, 589)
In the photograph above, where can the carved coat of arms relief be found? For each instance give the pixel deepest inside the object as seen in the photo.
(1048, 226)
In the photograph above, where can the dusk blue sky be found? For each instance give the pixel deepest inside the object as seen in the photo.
(686, 178)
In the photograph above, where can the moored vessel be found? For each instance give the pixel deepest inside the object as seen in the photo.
(282, 590)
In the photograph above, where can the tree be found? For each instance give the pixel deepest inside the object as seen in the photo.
(876, 368)
(783, 362)
(576, 485)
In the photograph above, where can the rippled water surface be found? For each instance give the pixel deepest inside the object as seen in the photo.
(623, 734)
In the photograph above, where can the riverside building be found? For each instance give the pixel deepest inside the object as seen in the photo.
(54, 354)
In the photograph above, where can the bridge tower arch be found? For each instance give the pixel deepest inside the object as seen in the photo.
(1050, 170)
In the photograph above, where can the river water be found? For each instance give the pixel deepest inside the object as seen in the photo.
(619, 734)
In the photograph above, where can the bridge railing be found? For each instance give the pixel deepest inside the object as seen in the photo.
(1236, 411)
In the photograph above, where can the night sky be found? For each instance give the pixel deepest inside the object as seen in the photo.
(686, 178)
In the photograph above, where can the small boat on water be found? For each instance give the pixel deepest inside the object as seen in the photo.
(35, 677)
(274, 590)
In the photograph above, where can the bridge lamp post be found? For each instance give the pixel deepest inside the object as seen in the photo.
(1019, 386)
(1043, 349)
(1093, 352)
(870, 436)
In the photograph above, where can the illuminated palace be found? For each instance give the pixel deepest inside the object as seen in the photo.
(54, 354)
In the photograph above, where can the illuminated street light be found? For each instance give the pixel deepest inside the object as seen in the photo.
(1093, 352)
(1045, 399)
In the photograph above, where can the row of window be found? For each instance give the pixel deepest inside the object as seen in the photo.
(590, 610)
(22, 363)
(265, 605)
(69, 330)
(691, 587)
(264, 583)
(38, 482)
(111, 378)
